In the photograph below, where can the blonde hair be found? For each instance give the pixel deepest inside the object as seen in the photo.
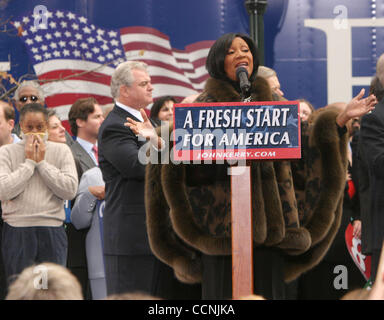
(45, 281)
(266, 72)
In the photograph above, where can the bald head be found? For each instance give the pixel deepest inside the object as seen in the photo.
(380, 69)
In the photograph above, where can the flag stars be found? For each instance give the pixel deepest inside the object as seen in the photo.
(53, 45)
(73, 43)
(100, 32)
(114, 42)
(104, 47)
(47, 55)
(112, 34)
(59, 14)
(33, 29)
(71, 16)
(56, 53)
(84, 45)
(62, 44)
(52, 24)
(38, 38)
(67, 34)
(76, 53)
(87, 30)
(38, 57)
(95, 50)
(88, 54)
(78, 36)
(29, 41)
(48, 36)
(44, 47)
(63, 24)
(57, 34)
(101, 58)
(110, 56)
(35, 50)
(83, 20)
(75, 26)
(117, 52)
(26, 20)
(91, 40)
(66, 53)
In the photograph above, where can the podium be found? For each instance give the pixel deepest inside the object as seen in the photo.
(242, 236)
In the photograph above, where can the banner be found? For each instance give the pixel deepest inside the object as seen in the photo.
(237, 131)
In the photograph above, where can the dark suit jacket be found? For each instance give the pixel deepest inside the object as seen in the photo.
(372, 145)
(124, 216)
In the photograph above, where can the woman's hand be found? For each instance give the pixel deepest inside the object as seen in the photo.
(357, 107)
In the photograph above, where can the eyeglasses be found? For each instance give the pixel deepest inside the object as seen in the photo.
(25, 98)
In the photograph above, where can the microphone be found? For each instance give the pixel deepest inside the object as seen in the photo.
(242, 77)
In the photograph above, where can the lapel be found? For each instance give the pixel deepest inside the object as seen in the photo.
(84, 158)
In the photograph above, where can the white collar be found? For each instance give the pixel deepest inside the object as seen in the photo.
(136, 113)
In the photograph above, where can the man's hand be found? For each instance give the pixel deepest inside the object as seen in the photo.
(97, 191)
(144, 129)
(357, 229)
(357, 107)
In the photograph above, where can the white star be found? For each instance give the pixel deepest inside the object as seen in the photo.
(49, 14)
(47, 55)
(86, 30)
(73, 43)
(29, 41)
(63, 24)
(53, 45)
(35, 50)
(44, 47)
(91, 40)
(38, 38)
(67, 34)
(33, 29)
(56, 53)
(26, 20)
(83, 20)
(101, 58)
(16, 24)
(92, 26)
(71, 16)
(62, 44)
(57, 34)
(78, 36)
(110, 56)
(105, 47)
(52, 24)
(100, 32)
(117, 52)
(88, 54)
(48, 36)
(75, 26)
(84, 45)
(24, 33)
(112, 34)
(114, 42)
(59, 14)
(100, 38)
(66, 52)
(96, 50)
(76, 53)
(37, 57)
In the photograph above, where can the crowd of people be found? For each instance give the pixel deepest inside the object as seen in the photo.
(83, 209)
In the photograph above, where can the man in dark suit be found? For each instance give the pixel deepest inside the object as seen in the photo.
(372, 147)
(85, 118)
(129, 263)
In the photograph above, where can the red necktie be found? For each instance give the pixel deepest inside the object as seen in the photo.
(95, 152)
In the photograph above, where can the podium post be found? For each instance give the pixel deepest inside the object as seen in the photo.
(241, 218)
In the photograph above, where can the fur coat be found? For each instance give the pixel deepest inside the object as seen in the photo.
(296, 205)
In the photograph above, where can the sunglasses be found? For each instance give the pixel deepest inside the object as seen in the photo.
(25, 98)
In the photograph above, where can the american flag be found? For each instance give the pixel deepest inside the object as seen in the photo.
(78, 58)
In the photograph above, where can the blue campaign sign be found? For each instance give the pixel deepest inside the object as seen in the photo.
(235, 131)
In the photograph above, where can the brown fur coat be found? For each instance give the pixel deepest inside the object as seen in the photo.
(296, 204)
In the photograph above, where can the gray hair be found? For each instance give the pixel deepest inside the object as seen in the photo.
(266, 72)
(29, 83)
(123, 75)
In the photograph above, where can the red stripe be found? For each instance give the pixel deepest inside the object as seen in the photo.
(146, 46)
(61, 99)
(90, 76)
(199, 62)
(207, 44)
(163, 65)
(147, 30)
(166, 80)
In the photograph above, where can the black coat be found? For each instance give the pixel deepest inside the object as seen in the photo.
(372, 145)
(124, 216)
